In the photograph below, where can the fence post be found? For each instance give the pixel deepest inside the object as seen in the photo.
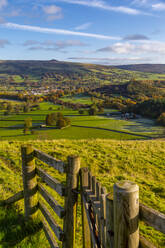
(126, 215)
(109, 222)
(72, 171)
(29, 182)
(84, 182)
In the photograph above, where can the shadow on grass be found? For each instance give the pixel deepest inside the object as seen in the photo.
(14, 228)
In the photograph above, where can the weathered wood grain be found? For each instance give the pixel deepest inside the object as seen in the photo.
(103, 216)
(94, 185)
(18, 196)
(90, 197)
(51, 201)
(109, 222)
(152, 218)
(52, 182)
(84, 184)
(56, 164)
(50, 237)
(52, 223)
(98, 216)
(29, 182)
(145, 243)
(71, 200)
(94, 241)
(126, 215)
(89, 181)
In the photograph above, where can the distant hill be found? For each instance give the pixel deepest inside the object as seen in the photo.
(152, 68)
(38, 69)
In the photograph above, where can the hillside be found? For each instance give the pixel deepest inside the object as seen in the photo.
(134, 88)
(110, 161)
(60, 70)
(151, 68)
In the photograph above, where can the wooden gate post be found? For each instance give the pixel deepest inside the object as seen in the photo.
(109, 222)
(72, 174)
(84, 182)
(29, 182)
(126, 215)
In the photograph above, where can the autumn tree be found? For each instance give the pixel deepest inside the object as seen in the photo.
(27, 124)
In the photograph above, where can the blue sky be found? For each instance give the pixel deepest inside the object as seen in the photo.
(106, 32)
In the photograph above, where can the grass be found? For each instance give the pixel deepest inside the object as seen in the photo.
(78, 99)
(14, 231)
(11, 127)
(109, 160)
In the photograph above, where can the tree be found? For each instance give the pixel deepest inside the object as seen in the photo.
(48, 120)
(161, 119)
(52, 118)
(27, 124)
(9, 108)
(93, 111)
(26, 108)
(61, 123)
(81, 111)
(57, 119)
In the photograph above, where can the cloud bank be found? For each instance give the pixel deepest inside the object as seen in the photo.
(50, 45)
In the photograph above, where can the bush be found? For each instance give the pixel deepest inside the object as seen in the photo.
(81, 111)
(33, 132)
(92, 111)
(161, 119)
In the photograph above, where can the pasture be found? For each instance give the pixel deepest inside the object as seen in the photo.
(109, 160)
(82, 126)
(81, 99)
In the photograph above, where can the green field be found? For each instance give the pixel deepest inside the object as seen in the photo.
(109, 160)
(11, 127)
(81, 99)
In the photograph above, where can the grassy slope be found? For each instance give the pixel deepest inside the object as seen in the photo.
(111, 161)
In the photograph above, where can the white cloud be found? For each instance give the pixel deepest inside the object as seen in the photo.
(83, 26)
(147, 47)
(105, 6)
(158, 6)
(119, 48)
(69, 43)
(140, 2)
(52, 9)
(57, 31)
(54, 12)
(3, 3)
(52, 45)
(114, 60)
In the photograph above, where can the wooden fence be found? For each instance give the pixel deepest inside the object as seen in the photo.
(108, 221)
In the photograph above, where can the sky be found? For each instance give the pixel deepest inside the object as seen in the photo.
(109, 32)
